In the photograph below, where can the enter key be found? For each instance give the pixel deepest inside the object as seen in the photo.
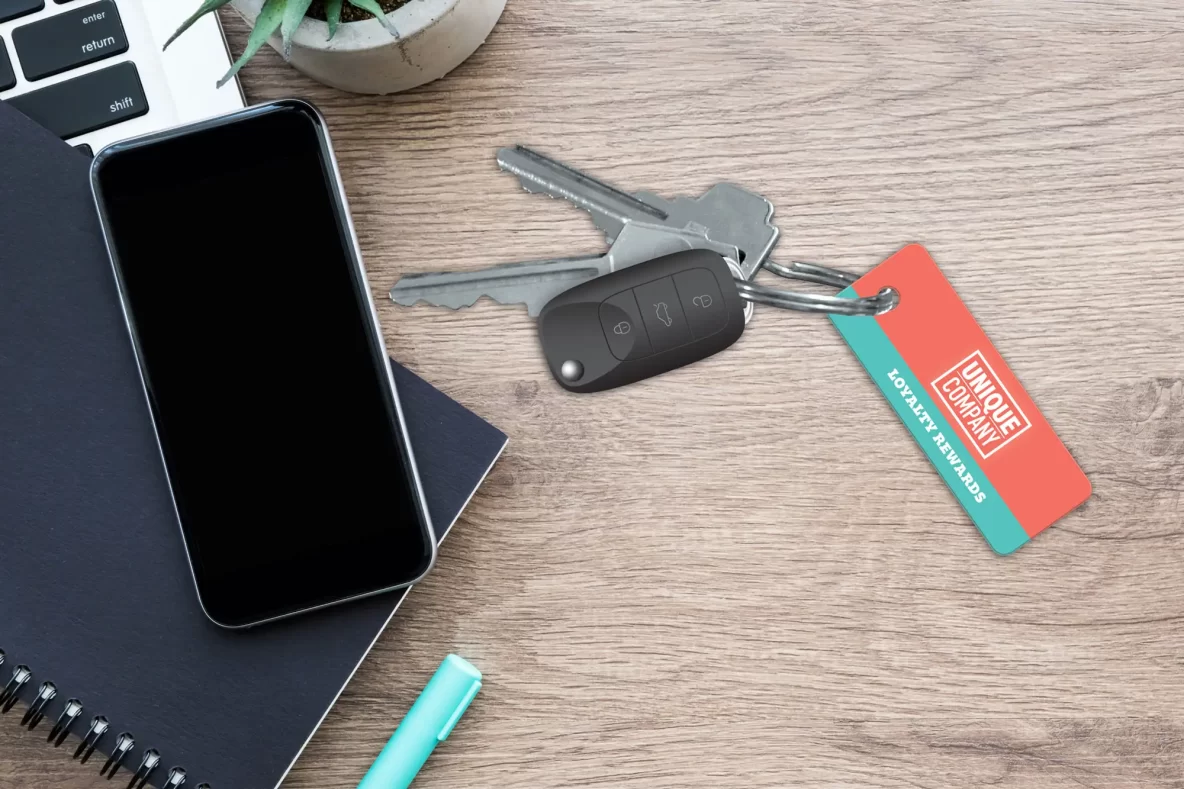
(70, 39)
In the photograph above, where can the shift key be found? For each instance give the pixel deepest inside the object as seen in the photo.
(68, 40)
(86, 103)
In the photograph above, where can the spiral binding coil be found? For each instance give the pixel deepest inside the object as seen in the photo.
(22, 675)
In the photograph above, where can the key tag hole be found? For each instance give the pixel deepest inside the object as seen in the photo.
(891, 298)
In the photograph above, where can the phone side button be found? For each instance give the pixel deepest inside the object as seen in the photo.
(84, 104)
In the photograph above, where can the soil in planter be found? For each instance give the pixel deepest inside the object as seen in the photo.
(351, 13)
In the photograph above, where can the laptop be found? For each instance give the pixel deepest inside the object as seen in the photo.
(93, 72)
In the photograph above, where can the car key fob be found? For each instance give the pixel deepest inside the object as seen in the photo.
(641, 321)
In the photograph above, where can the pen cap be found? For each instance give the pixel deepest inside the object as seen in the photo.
(428, 723)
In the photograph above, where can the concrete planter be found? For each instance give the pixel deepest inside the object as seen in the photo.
(435, 36)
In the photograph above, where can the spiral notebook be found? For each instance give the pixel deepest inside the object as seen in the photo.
(106, 650)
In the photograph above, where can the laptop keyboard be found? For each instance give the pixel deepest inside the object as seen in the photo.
(56, 43)
(86, 103)
(68, 40)
(11, 9)
(7, 75)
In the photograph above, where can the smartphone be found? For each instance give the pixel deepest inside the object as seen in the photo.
(264, 368)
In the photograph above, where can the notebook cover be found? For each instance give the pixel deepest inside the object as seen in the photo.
(96, 594)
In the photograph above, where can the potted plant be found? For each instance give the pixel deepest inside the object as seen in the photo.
(363, 46)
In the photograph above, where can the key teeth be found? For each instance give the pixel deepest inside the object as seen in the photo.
(403, 301)
(538, 190)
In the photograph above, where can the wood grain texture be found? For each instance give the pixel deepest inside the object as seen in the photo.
(745, 574)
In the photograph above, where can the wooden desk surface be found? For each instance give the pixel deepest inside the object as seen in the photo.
(745, 574)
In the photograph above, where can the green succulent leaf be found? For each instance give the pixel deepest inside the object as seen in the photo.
(293, 14)
(333, 15)
(206, 7)
(268, 21)
(373, 7)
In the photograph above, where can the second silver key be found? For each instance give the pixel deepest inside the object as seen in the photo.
(611, 209)
(536, 283)
(725, 213)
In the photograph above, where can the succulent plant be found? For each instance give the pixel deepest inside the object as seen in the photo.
(282, 15)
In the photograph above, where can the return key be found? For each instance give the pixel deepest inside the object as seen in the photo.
(67, 40)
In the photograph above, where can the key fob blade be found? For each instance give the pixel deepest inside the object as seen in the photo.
(641, 321)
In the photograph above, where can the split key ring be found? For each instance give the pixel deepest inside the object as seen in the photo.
(882, 302)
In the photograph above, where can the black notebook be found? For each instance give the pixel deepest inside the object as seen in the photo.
(97, 605)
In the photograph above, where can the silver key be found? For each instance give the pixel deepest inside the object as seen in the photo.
(534, 284)
(725, 213)
(610, 208)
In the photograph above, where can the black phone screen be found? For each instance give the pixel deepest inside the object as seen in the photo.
(264, 368)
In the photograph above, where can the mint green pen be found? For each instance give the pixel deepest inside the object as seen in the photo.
(427, 724)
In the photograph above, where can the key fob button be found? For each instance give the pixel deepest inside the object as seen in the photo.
(622, 324)
(702, 302)
(661, 312)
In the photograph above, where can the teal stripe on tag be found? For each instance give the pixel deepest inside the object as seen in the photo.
(880, 357)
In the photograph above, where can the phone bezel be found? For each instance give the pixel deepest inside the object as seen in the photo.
(341, 207)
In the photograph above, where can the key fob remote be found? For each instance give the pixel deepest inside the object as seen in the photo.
(641, 321)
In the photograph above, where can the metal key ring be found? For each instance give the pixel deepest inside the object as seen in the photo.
(738, 275)
(882, 302)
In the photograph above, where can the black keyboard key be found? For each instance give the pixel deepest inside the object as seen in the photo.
(7, 75)
(84, 104)
(11, 9)
(65, 41)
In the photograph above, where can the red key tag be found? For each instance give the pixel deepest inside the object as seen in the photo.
(961, 402)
